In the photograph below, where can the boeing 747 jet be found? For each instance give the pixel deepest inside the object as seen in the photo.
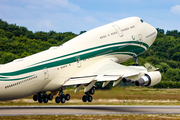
(91, 57)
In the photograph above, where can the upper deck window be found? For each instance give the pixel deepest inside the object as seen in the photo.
(141, 20)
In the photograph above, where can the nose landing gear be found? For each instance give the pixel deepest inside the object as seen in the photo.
(136, 61)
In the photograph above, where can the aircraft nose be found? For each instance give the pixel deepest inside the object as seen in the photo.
(151, 34)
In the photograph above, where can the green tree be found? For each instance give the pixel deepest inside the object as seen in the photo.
(2, 33)
(3, 24)
(9, 34)
(82, 32)
(30, 34)
(6, 57)
(41, 35)
(176, 56)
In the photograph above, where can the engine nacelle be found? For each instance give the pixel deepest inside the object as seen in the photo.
(149, 79)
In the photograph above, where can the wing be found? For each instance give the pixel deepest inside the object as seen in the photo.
(105, 70)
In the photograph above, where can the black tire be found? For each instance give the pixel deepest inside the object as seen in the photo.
(61, 96)
(45, 100)
(67, 97)
(90, 98)
(84, 98)
(50, 97)
(57, 99)
(92, 91)
(40, 100)
(63, 100)
(35, 98)
(136, 65)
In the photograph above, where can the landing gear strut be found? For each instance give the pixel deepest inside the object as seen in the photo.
(136, 61)
(42, 97)
(88, 96)
(61, 97)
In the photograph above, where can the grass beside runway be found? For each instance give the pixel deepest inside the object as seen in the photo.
(95, 117)
(115, 96)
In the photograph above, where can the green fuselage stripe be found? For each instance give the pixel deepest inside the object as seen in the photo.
(15, 79)
(133, 42)
(124, 48)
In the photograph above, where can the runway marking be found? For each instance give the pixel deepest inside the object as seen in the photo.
(86, 109)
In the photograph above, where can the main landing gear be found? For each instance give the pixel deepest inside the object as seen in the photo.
(88, 96)
(61, 97)
(42, 97)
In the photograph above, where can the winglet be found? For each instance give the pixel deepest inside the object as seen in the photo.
(150, 68)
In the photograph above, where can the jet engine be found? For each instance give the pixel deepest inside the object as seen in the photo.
(149, 79)
(125, 80)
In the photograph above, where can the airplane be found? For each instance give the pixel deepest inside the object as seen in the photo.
(91, 57)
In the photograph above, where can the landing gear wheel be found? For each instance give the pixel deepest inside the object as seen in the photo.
(45, 100)
(61, 97)
(50, 97)
(84, 98)
(92, 91)
(40, 100)
(67, 97)
(35, 97)
(63, 100)
(58, 99)
(90, 98)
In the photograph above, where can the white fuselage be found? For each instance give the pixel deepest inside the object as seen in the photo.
(48, 70)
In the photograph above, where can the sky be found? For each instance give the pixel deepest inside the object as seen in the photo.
(79, 15)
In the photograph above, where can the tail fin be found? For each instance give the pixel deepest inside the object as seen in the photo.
(150, 68)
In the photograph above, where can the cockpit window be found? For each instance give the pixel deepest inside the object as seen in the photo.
(141, 20)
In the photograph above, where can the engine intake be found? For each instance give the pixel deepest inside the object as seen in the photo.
(149, 79)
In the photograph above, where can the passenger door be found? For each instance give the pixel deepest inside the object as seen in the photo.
(78, 60)
(46, 73)
(119, 31)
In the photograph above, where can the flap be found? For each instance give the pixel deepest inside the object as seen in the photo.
(79, 80)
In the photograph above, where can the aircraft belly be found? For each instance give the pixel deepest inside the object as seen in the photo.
(122, 57)
(13, 92)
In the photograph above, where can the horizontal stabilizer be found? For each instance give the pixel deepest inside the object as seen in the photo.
(150, 68)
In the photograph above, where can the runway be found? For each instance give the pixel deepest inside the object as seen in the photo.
(86, 109)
